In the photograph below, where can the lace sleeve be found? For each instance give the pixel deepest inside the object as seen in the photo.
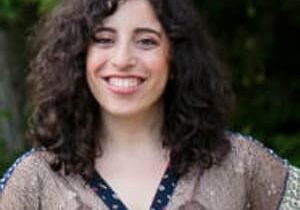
(291, 196)
(18, 187)
(266, 174)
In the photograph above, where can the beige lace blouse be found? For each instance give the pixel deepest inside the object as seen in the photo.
(250, 178)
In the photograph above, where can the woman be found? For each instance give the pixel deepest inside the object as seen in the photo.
(130, 113)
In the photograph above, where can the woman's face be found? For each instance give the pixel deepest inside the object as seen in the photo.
(128, 60)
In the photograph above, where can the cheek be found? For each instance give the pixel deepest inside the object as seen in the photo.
(94, 63)
(95, 60)
(158, 63)
(90, 62)
(159, 74)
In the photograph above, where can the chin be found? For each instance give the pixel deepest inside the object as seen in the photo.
(121, 112)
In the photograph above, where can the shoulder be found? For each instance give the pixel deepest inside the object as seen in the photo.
(266, 173)
(24, 182)
(250, 176)
(26, 168)
(30, 183)
(252, 150)
(259, 161)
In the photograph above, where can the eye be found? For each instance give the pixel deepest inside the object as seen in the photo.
(147, 43)
(103, 41)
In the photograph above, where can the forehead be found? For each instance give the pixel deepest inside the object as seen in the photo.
(133, 13)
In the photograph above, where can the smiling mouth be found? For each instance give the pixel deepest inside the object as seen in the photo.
(124, 85)
(124, 82)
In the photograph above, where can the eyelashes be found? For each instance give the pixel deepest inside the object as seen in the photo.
(141, 43)
(147, 43)
(103, 42)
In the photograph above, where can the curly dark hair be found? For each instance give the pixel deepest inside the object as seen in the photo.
(65, 119)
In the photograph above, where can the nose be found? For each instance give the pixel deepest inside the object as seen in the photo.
(123, 58)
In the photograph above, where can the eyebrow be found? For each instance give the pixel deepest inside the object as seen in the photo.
(148, 30)
(100, 29)
(137, 30)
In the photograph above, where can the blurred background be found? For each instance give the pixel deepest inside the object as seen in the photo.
(258, 40)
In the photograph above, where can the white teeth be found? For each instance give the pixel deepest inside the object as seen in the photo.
(124, 82)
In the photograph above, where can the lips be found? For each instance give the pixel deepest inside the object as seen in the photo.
(124, 85)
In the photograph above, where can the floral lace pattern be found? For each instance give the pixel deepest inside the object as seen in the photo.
(291, 198)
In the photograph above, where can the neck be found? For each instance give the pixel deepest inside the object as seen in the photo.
(139, 133)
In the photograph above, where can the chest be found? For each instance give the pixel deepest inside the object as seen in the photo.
(190, 193)
(135, 191)
(135, 186)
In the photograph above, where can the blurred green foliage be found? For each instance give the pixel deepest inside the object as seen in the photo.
(10, 10)
(259, 41)
(5, 157)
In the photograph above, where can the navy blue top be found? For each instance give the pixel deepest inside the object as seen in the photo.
(110, 198)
